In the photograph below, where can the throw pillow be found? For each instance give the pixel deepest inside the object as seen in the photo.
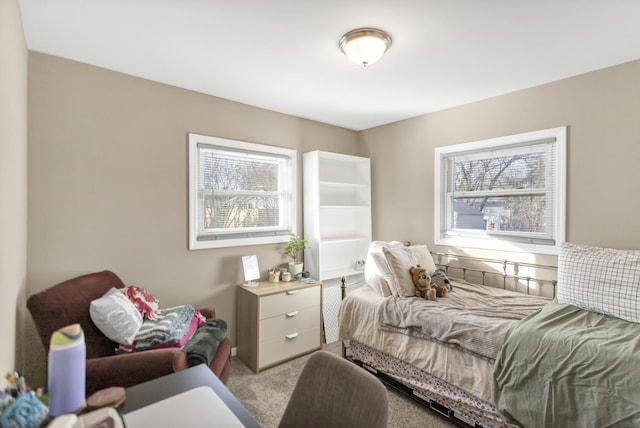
(377, 273)
(401, 260)
(116, 317)
(603, 280)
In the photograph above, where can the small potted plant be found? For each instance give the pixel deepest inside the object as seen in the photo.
(294, 248)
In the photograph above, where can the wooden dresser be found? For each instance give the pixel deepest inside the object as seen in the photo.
(277, 322)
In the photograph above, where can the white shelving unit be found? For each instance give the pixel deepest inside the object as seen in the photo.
(337, 224)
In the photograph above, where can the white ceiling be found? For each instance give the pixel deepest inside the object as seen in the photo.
(283, 55)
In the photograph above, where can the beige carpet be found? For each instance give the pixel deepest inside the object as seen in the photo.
(266, 394)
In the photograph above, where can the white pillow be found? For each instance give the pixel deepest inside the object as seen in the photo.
(376, 270)
(602, 280)
(401, 260)
(383, 278)
(116, 317)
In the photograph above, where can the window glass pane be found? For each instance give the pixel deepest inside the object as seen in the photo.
(224, 173)
(519, 214)
(505, 172)
(237, 212)
(239, 191)
(503, 182)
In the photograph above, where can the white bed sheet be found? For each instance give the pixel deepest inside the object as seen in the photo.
(357, 322)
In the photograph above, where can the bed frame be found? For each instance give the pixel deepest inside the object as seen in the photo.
(496, 274)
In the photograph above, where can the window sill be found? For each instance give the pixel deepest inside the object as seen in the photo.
(498, 245)
(195, 244)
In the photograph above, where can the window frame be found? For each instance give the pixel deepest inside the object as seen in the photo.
(497, 241)
(217, 240)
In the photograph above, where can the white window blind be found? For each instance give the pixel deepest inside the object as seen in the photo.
(505, 193)
(241, 193)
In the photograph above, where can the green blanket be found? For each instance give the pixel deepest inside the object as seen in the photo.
(202, 346)
(566, 367)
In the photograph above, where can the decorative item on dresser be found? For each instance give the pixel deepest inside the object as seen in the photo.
(337, 223)
(251, 269)
(294, 249)
(278, 322)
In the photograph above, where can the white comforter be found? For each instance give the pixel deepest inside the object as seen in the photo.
(473, 317)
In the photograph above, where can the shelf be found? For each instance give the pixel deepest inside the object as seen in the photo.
(340, 168)
(341, 206)
(343, 185)
(344, 195)
(338, 273)
(343, 240)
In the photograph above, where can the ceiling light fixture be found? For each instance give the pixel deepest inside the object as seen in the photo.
(364, 46)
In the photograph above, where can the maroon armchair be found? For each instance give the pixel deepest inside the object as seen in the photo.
(68, 303)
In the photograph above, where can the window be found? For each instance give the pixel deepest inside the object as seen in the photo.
(506, 193)
(240, 193)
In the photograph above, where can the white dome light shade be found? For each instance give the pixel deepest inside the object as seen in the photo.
(365, 46)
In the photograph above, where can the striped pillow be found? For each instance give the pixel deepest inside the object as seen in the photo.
(601, 280)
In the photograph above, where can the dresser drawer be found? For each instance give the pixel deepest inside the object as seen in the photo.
(289, 322)
(283, 348)
(289, 301)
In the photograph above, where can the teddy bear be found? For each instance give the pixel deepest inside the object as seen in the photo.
(422, 283)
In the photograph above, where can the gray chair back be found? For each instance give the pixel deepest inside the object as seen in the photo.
(333, 392)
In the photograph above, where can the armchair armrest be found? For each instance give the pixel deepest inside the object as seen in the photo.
(208, 312)
(131, 369)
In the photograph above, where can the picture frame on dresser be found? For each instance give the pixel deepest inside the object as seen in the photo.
(251, 270)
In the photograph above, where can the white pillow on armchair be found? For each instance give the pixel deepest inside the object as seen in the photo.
(116, 316)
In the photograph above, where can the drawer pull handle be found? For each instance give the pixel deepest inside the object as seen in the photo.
(292, 314)
(292, 291)
(292, 335)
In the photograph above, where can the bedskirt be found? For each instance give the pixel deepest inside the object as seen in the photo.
(464, 406)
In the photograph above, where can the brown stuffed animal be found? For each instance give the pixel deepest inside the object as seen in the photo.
(422, 282)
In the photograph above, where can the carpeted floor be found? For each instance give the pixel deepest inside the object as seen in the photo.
(266, 394)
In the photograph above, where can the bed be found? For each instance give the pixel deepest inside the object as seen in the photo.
(463, 355)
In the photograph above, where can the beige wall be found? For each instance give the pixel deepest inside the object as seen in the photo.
(108, 182)
(13, 181)
(108, 172)
(601, 110)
